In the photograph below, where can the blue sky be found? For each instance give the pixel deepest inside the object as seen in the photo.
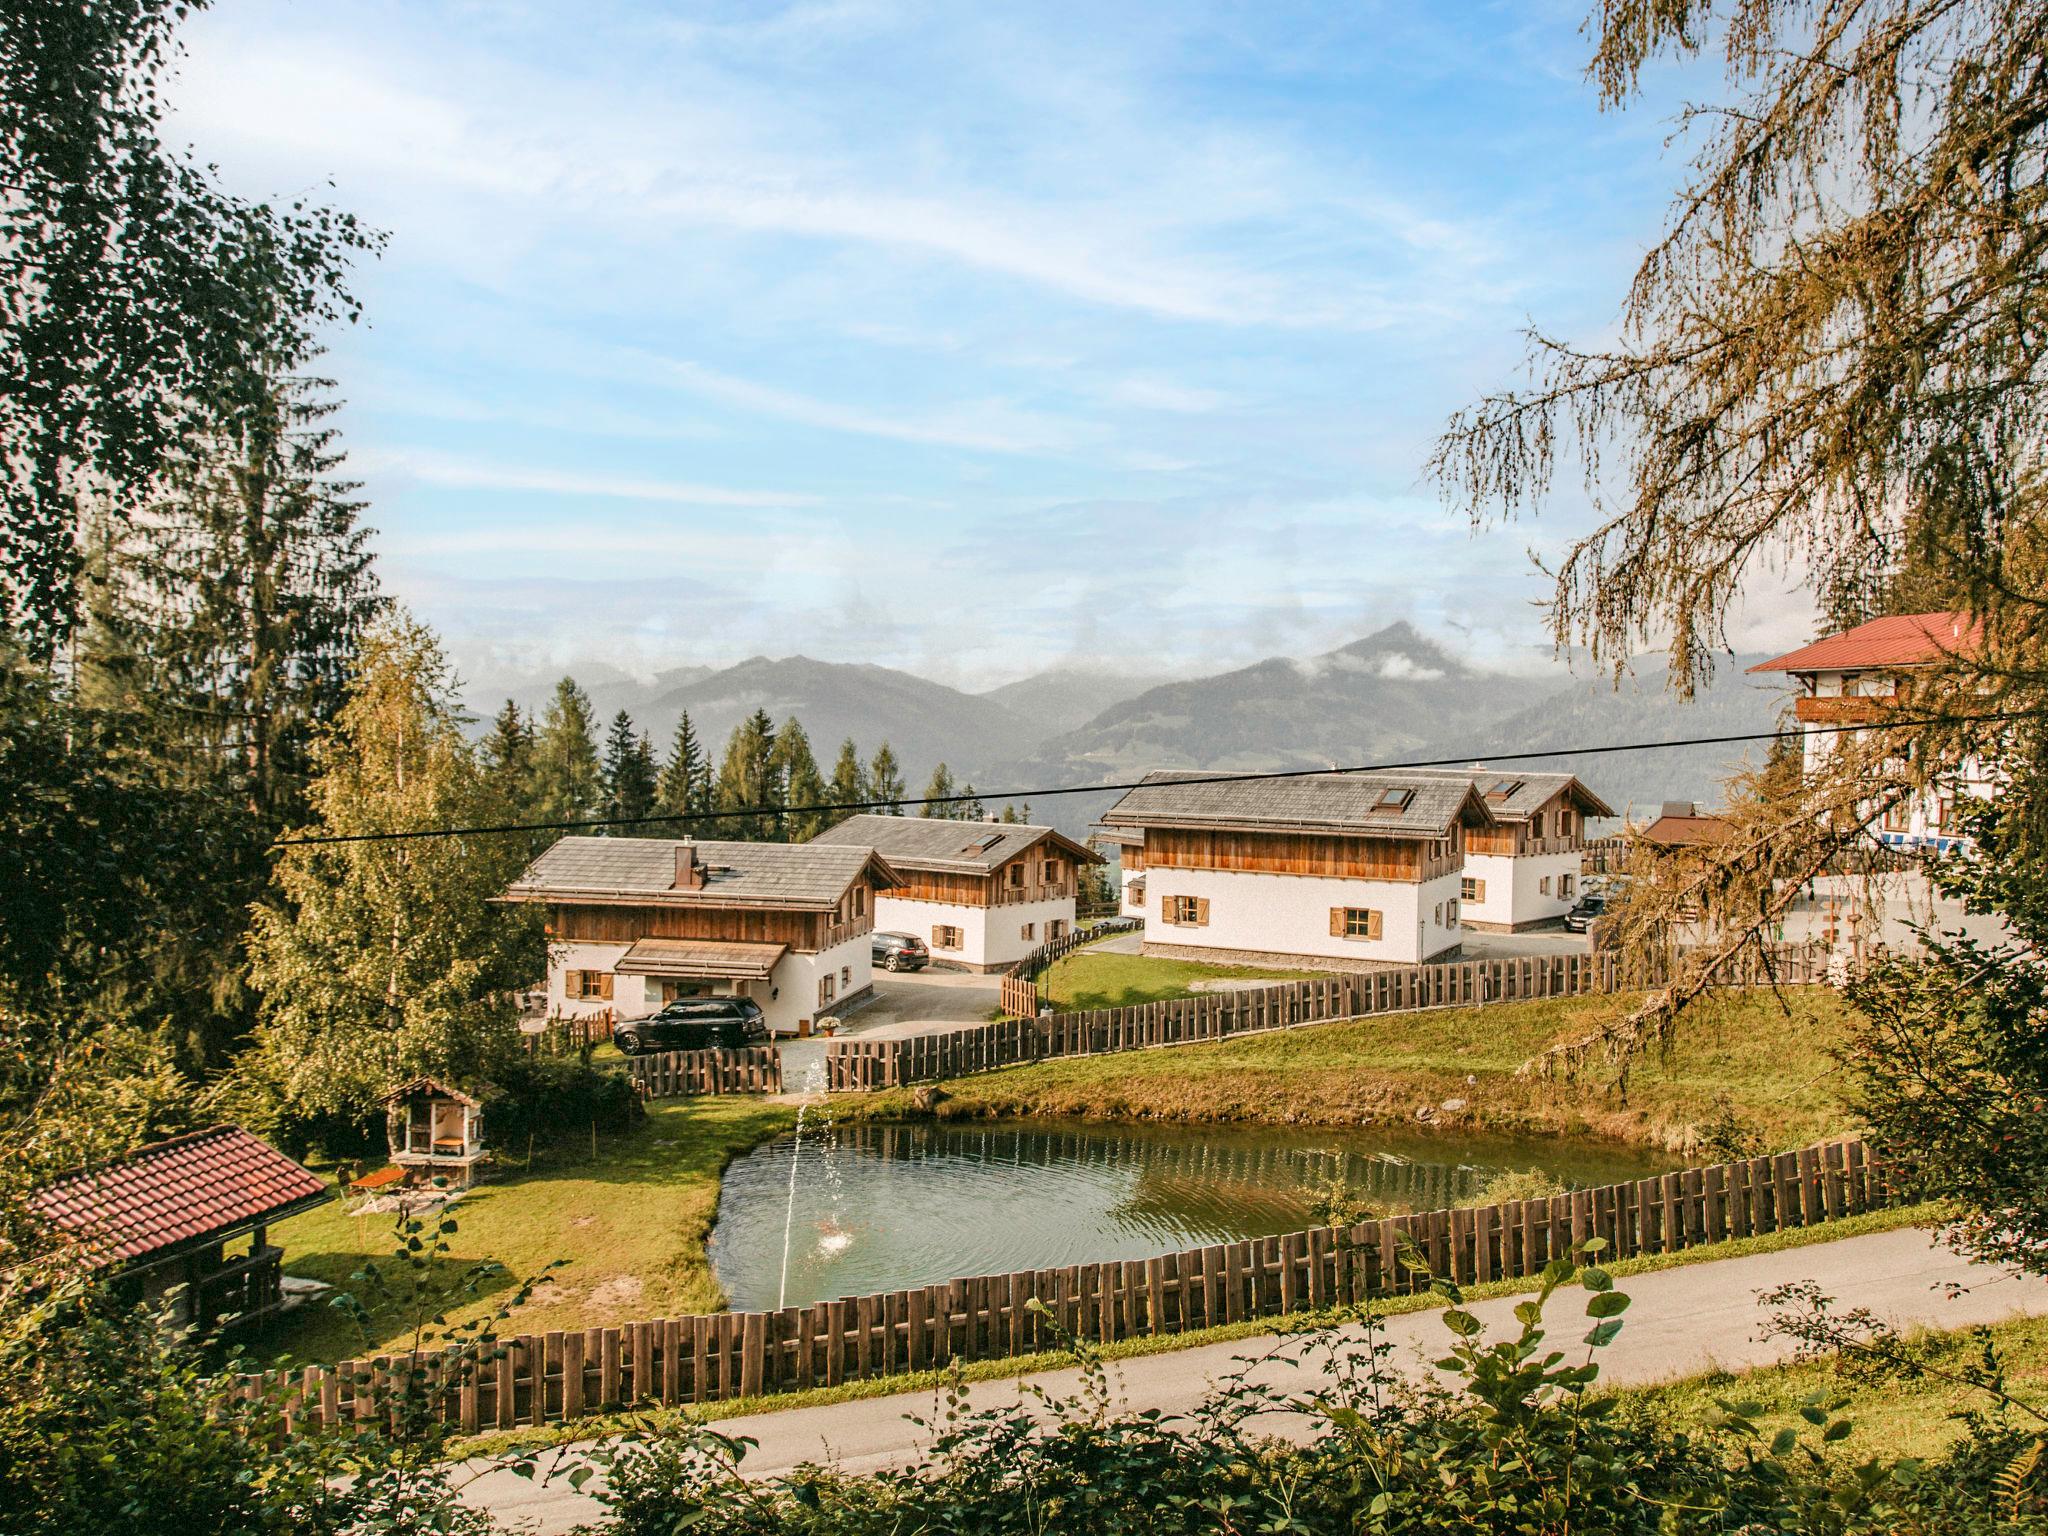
(967, 338)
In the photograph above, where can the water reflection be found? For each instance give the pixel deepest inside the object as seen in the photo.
(884, 1207)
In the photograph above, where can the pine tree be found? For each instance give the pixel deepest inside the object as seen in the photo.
(796, 771)
(629, 776)
(384, 959)
(568, 780)
(885, 781)
(747, 783)
(1014, 815)
(685, 785)
(939, 789)
(970, 808)
(507, 753)
(253, 580)
(848, 785)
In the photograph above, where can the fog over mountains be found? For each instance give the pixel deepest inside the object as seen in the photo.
(1393, 695)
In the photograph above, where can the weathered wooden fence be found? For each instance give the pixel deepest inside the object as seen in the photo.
(858, 1065)
(551, 1377)
(676, 1074)
(565, 1035)
(1020, 981)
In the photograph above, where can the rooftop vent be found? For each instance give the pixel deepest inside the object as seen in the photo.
(689, 873)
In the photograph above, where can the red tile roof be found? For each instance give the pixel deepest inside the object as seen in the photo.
(1904, 640)
(180, 1191)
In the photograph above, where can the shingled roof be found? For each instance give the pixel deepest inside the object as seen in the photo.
(1523, 791)
(642, 870)
(1902, 640)
(952, 847)
(1361, 804)
(179, 1193)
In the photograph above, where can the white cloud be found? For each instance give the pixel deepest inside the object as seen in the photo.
(434, 468)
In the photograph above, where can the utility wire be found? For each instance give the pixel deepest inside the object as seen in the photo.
(1463, 760)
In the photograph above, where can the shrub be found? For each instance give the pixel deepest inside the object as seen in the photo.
(545, 1097)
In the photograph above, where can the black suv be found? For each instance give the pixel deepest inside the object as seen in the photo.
(1582, 917)
(693, 1024)
(898, 951)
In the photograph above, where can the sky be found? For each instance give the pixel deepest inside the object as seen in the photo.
(972, 339)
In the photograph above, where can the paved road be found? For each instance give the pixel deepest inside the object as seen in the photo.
(1683, 1321)
(913, 1003)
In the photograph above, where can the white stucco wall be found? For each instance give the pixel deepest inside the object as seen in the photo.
(1285, 915)
(1921, 813)
(1514, 887)
(786, 998)
(989, 935)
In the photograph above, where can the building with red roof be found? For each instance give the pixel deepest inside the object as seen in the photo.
(168, 1216)
(1855, 678)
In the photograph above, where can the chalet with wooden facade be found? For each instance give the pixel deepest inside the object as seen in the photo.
(1855, 677)
(1338, 871)
(981, 894)
(186, 1223)
(634, 923)
(1523, 871)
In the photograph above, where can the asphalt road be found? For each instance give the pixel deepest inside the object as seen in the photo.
(1682, 1322)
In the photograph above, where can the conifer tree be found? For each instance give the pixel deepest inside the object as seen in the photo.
(507, 753)
(685, 785)
(848, 785)
(885, 781)
(629, 776)
(971, 808)
(251, 581)
(800, 782)
(568, 780)
(939, 789)
(747, 782)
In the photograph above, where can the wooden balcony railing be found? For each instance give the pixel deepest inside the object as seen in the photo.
(1846, 709)
(1018, 895)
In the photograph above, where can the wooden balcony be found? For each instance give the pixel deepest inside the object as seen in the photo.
(840, 933)
(1845, 709)
(1018, 895)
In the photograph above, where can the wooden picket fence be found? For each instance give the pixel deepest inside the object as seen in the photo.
(566, 1034)
(678, 1074)
(560, 1376)
(858, 1065)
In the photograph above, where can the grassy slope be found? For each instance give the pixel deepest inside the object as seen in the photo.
(1092, 978)
(632, 1224)
(1743, 1054)
(1892, 1418)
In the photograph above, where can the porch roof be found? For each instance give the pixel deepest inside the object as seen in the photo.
(722, 958)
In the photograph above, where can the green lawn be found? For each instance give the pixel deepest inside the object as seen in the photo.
(1093, 978)
(1892, 1418)
(1741, 1060)
(632, 1225)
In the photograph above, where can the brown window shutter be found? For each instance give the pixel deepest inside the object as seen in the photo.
(1201, 911)
(1372, 925)
(938, 934)
(1479, 890)
(604, 985)
(1336, 922)
(1166, 909)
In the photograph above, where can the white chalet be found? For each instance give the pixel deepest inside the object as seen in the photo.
(1337, 871)
(1853, 677)
(981, 894)
(634, 923)
(1523, 871)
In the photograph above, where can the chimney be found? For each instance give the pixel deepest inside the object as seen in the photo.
(1680, 808)
(689, 873)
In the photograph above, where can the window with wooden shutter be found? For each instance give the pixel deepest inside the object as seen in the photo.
(1026, 930)
(946, 937)
(1543, 886)
(1185, 911)
(1354, 923)
(587, 986)
(1471, 890)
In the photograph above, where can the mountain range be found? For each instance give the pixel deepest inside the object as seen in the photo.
(1394, 695)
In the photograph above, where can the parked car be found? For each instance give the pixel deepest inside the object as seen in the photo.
(1590, 909)
(899, 951)
(693, 1024)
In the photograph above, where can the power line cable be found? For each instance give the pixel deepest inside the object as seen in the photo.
(1462, 760)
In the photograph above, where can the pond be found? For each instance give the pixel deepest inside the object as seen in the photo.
(885, 1207)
